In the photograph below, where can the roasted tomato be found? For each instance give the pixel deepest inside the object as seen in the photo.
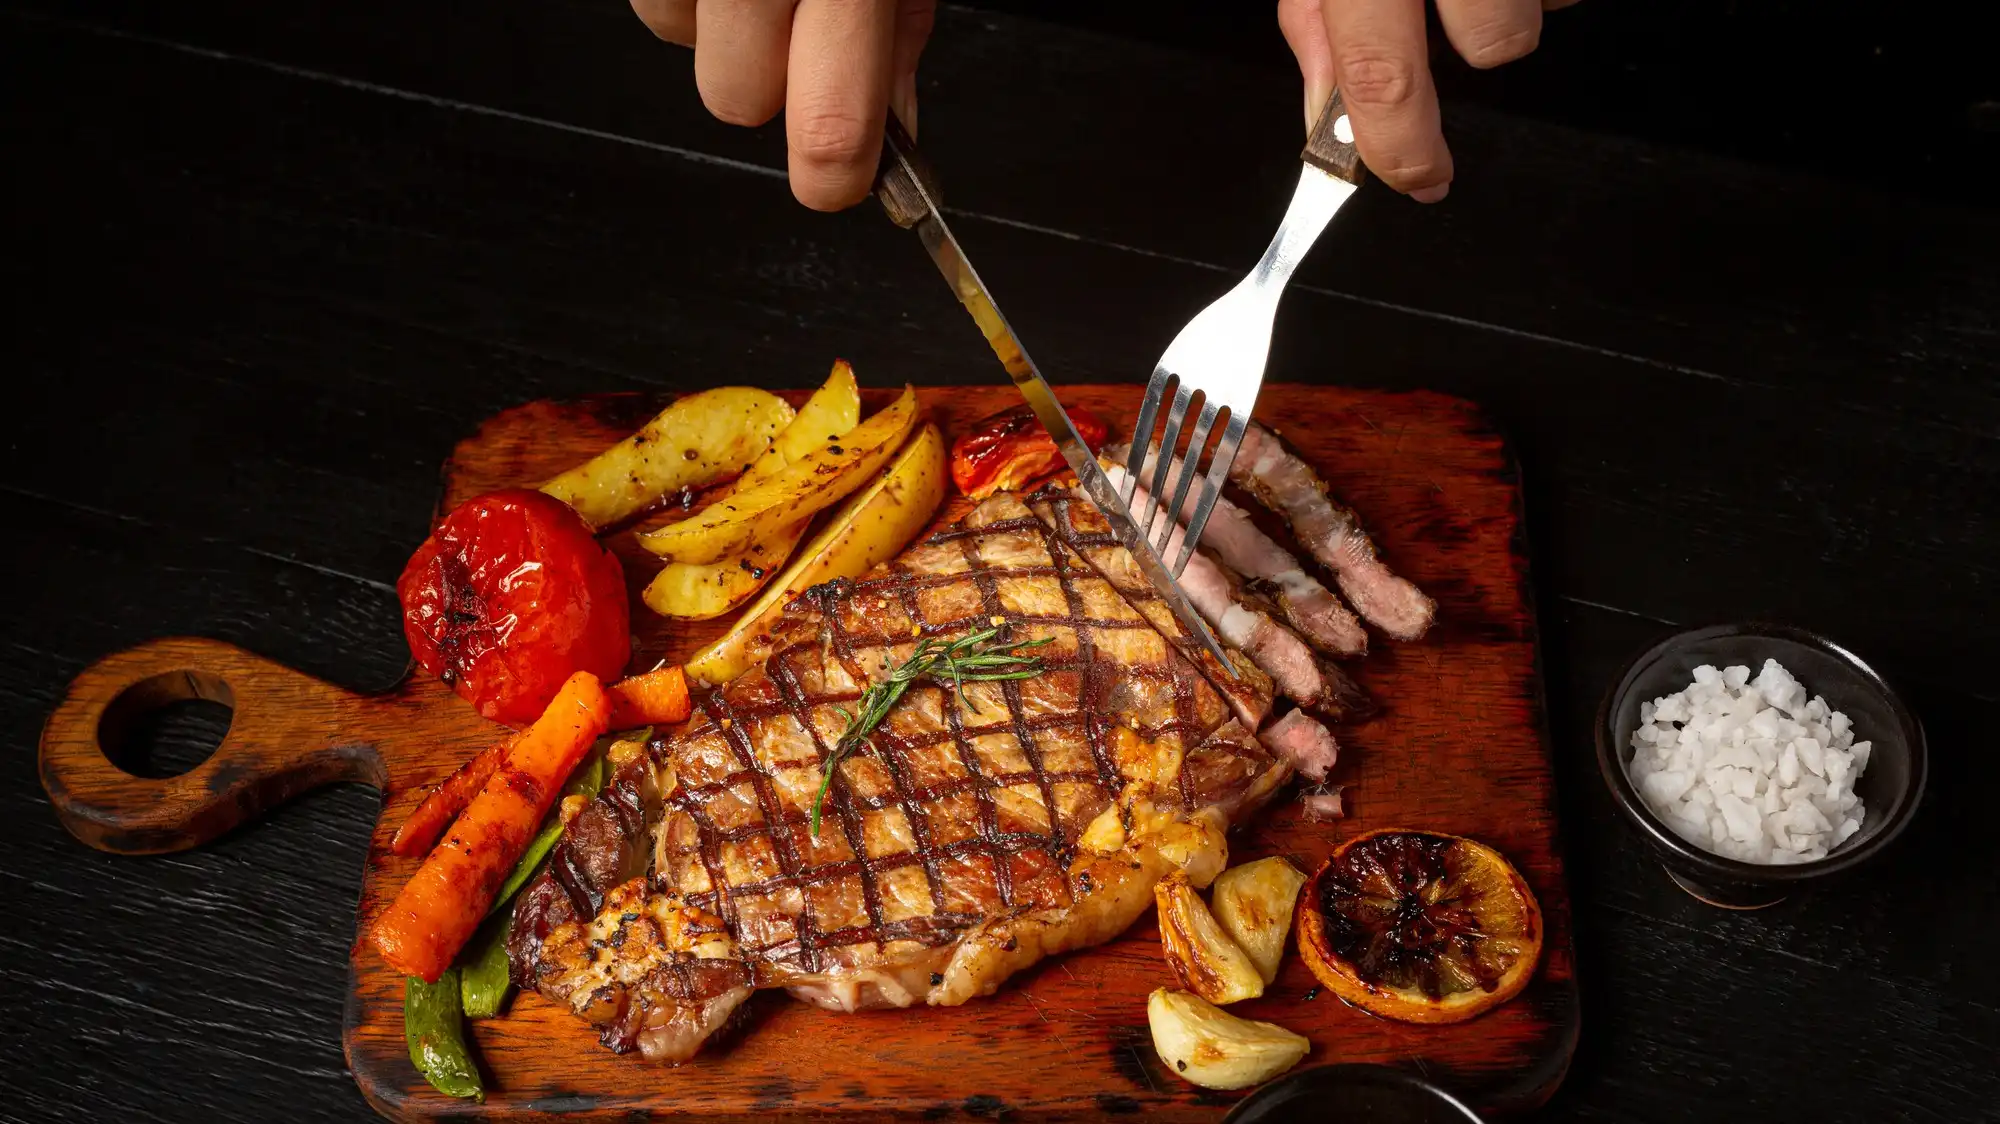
(1011, 450)
(510, 596)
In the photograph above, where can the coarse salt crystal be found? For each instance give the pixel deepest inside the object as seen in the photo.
(1810, 757)
(1744, 824)
(1666, 786)
(1788, 765)
(1753, 768)
(1743, 783)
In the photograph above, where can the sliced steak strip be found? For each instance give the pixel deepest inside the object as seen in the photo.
(1299, 739)
(1271, 570)
(1279, 480)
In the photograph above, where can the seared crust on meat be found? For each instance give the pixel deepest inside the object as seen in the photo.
(650, 971)
(970, 835)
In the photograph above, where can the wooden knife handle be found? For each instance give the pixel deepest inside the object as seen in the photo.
(1326, 150)
(901, 172)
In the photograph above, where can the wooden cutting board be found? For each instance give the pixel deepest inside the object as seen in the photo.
(1460, 748)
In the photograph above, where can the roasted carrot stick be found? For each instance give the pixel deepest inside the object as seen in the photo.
(439, 907)
(657, 698)
(446, 801)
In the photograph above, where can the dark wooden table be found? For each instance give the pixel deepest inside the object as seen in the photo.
(267, 263)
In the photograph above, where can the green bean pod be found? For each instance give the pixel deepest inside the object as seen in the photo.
(434, 1026)
(482, 970)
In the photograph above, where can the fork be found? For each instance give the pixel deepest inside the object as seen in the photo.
(1219, 356)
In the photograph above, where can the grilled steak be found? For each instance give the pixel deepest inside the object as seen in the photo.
(1286, 484)
(968, 838)
(1239, 616)
(1240, 545)
(1299, 739)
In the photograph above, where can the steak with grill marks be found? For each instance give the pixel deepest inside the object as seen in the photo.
(969, 837)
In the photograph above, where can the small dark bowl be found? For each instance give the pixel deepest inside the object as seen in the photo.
(1374, 1094)
(1890, 788)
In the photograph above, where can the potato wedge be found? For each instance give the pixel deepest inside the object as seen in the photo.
(833, 410)
(814, 482)
(1253, 904)
(698, 591)
(698, 440)
(1215, 1049)
(872, 526)
(701, 590)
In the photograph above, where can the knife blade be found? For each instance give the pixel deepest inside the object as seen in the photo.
(908, 192)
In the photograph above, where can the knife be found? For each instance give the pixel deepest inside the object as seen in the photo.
(908, 192)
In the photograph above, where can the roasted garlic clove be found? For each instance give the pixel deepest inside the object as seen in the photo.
(1213, 1048)
(1200, 953)
(1253, 904)
(1198, 845)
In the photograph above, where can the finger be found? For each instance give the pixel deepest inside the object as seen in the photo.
(913, 29)
(1487, 33)
(1378, 60)
(672, 20)
(836, 97)
(1305, 32)
(740, 56)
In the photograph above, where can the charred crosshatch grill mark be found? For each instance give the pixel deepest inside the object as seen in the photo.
(706, 841)
(840, 794)
(950, 784)
(1010, 691)
(1044, 724)
(987, 831)
(1060, 502)
(988, 818)
(891, 748)
(1090, 686)
(771, 812)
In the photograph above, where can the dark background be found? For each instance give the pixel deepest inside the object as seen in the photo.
(1902, 95)
(1724, 273)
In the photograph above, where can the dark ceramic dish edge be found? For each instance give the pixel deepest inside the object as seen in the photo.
(1626, 796)
(1273, 1096)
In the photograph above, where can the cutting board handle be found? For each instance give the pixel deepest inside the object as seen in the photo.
(288, 733)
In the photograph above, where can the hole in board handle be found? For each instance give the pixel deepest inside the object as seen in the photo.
(166, 725)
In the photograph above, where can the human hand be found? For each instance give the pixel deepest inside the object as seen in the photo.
(1374, 51)
(834, 66)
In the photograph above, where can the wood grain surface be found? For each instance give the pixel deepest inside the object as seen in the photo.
(1459, 748)
(268, 261)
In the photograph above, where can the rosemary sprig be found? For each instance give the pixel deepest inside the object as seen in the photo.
(968, 658)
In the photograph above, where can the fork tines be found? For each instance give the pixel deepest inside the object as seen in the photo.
(1156, 517)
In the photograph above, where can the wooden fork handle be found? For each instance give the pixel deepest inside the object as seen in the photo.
(1326, 150)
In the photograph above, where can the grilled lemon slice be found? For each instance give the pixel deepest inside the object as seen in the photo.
(1421, 927)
